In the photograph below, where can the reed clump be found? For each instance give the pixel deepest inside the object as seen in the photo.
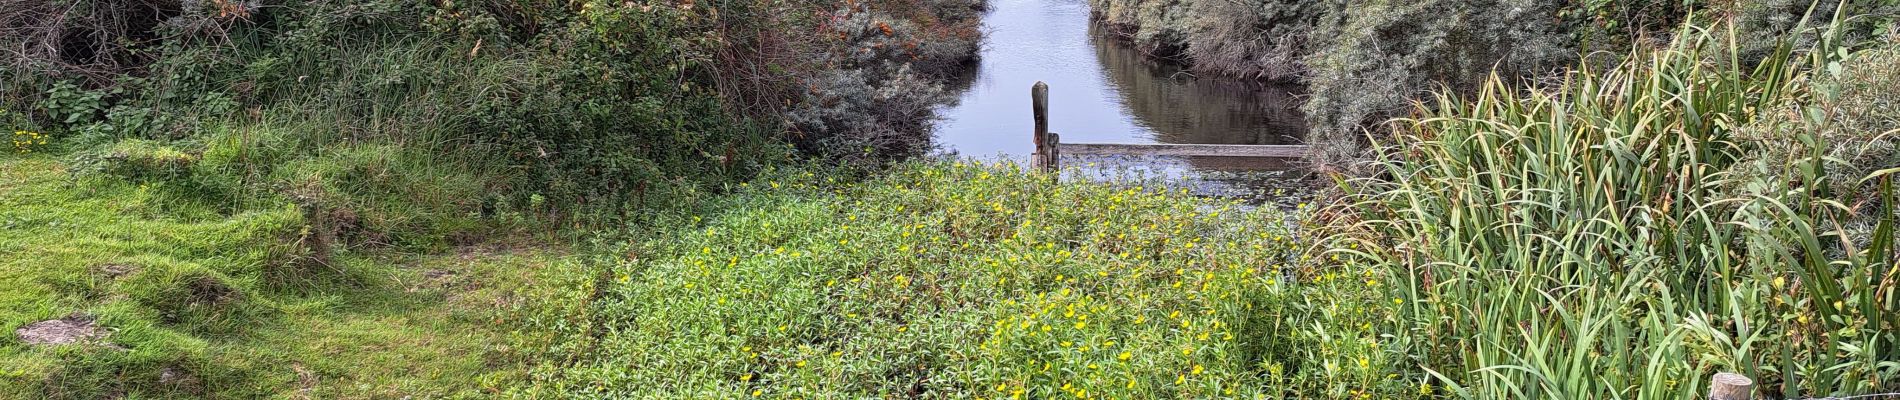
(1631, 230)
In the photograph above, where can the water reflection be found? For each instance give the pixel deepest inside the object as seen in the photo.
(1177, 107)
(1104, 91)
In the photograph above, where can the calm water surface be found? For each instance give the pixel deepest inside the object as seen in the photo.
(1103, 91)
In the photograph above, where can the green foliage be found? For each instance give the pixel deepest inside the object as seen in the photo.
(963, 280)
(1634, 229)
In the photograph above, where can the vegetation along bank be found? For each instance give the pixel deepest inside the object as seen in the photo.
(1364, 62)
(686, 199)
(358, 199)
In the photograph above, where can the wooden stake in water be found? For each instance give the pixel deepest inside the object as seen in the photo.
(1729, 386)
(1039, 103)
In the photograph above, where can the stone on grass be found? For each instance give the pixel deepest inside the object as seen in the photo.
(69, 330)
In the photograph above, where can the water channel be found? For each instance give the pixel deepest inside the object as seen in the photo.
(1103, 90)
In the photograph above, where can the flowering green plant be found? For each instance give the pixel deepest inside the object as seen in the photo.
(27, 141)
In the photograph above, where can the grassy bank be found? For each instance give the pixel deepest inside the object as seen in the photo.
(184, 301)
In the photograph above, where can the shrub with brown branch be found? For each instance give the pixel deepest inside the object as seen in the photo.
(100, 40)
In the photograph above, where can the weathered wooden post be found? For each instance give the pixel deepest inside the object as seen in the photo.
(1039, 103)
(1730, 386)
(1055, 155)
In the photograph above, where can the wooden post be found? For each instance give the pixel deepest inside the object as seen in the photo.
(1054, 164)
(1730, 386)
(1039, 103)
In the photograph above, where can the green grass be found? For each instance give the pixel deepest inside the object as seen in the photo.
(232, 306)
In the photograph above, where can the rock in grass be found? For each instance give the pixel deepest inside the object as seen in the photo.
(72, 329)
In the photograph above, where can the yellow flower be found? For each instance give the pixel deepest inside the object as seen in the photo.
(1198, 369)
(1124, 356)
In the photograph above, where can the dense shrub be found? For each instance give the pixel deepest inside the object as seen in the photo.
(567, 113)
(885, 78)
